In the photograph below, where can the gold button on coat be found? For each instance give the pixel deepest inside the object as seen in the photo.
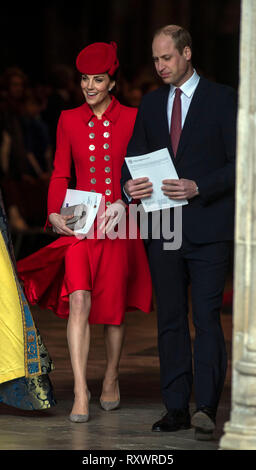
(92, 158)
(108, 180)
(108, 203)
(91, 135)
(106, 123)
(106, 135)
(92, 169)
(93, 180)
(108, 192)
(107, 169)
(107, 158)
(106, 146)
(91, 147)
(91, 124)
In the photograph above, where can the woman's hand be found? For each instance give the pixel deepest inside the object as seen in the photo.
(58, 222)
(112, 216)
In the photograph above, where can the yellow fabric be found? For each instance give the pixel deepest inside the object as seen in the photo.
(12, 363)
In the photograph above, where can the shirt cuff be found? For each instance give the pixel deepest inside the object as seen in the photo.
(129, 198)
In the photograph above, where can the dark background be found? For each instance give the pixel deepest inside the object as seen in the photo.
(41, 42)
(36, 36)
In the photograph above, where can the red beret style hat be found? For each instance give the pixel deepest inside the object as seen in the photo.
(97, 58)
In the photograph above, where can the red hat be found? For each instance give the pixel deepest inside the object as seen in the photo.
(99, 57)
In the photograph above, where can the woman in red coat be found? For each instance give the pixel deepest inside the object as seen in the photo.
(92, 280)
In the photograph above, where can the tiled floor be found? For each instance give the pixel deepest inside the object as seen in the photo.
(126, 428)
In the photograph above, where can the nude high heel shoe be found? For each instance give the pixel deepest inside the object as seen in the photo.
(74, 418)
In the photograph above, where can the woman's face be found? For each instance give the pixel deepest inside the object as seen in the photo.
(96, 88)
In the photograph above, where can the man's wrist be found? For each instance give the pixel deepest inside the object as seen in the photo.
(128, 197)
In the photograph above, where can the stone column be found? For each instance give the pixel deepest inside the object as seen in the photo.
(240, 431)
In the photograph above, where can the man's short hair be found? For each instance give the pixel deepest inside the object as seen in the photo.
(181, 37)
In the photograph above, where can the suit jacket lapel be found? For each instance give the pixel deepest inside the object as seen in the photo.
(192, 116)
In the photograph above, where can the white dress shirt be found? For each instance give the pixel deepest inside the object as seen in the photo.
(188, 89)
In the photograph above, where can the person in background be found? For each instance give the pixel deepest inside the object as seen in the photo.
(25, 153)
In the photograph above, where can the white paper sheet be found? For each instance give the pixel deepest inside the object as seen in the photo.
(157, 166)
(90, 199)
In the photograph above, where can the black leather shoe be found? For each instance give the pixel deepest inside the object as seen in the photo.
(174, 420)
(204, 421)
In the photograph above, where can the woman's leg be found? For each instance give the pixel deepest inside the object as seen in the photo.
(114, 339)
(78, 335)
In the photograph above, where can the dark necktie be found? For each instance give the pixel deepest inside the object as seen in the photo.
(175, 130)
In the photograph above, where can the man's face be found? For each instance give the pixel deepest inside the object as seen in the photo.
(174, 68)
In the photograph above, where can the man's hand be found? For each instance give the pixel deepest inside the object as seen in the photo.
(138, 188)
(180, 189)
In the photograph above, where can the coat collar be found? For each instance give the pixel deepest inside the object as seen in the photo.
(111, 114)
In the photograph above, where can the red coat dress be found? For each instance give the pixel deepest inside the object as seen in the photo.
(115, 271)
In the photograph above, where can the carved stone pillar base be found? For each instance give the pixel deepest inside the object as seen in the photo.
(238, 437)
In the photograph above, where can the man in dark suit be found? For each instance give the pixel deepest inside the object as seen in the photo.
(196, 120)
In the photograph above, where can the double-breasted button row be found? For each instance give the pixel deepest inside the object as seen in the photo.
(106, 135)
(106, 158)
(107, 181)
(105, 123)
(105, 146)
(92, 158)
